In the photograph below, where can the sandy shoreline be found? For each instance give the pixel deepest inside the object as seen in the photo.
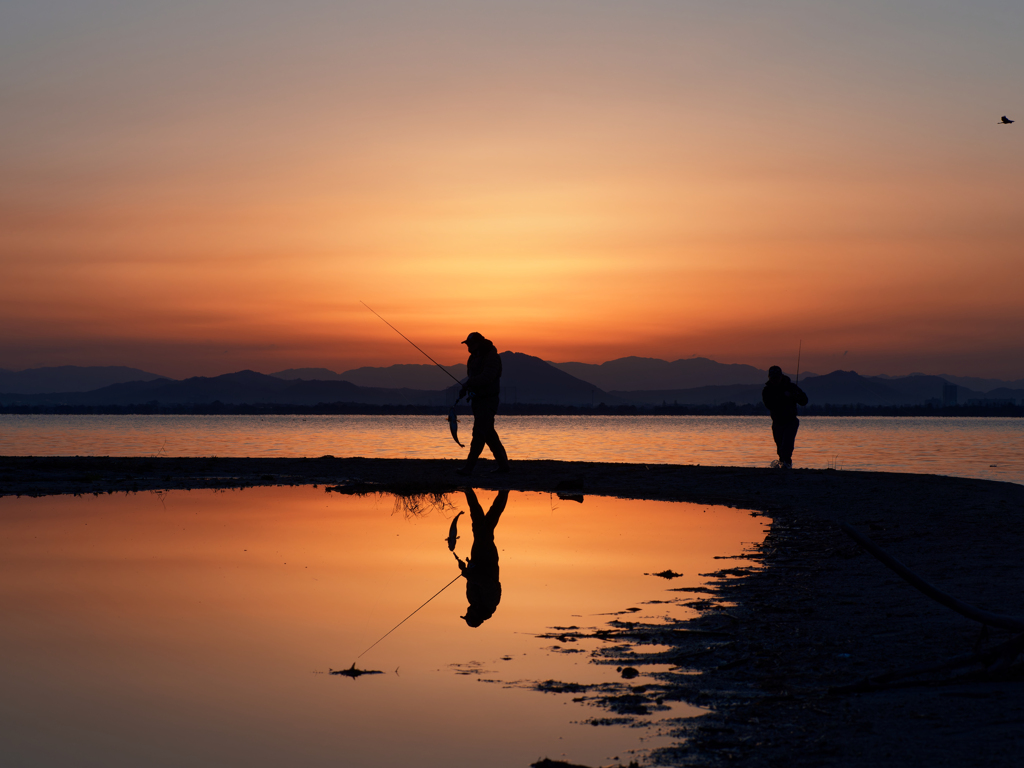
(821, 615)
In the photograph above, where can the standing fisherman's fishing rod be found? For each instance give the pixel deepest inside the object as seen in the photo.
(453, 422)
(798, 350)
(389, 325)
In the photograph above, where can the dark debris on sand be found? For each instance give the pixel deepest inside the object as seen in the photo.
(353, 672)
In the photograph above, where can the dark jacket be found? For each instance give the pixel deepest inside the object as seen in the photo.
(484, 370)
(781, 397)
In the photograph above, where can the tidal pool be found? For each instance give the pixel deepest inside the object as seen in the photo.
(199, 627)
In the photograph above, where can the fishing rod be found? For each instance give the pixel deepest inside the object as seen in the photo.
(413, 343)
(417, 610)
(798, 349)
(453, 420)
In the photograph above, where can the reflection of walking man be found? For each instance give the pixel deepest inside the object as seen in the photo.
(483, 385)
(782, 396)
(483, 589)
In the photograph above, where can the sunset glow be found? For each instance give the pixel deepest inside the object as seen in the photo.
(194, 190)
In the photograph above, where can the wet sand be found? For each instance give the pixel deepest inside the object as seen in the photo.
(777, 647)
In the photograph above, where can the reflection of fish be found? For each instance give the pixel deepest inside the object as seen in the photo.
(453, 424)
(354, 673)
(453, 534)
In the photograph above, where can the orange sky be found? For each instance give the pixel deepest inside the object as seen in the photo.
(197, 190)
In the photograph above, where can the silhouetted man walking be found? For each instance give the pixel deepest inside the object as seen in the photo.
(782, 396)
(483, 385)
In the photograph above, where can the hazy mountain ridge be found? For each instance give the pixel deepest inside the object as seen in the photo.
(68, 378)
(849, 388)
(836, 388)
(527, 379)
(410, 376)
(308, 374)
(649, 373)
(970, 382)
(242, 387)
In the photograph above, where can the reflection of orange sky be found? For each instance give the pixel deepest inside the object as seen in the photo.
(628, 188)
(192, 624)
(282, 558)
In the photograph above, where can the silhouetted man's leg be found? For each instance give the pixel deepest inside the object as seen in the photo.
(785, 439)
(500, 455)
(484, 409)
(497, 507)
(483, 426)
(484, 524)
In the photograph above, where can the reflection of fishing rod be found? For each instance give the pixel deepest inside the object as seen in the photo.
(411, 342)
(417, 610)
(798, 349)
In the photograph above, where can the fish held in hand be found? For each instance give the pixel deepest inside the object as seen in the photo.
(453, 424)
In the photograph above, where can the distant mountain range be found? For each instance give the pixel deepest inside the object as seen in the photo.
(527, 379)
(231, 389)
(836, 388)
(648, 373)
(69, 378)
(393, 376)
(970, 382)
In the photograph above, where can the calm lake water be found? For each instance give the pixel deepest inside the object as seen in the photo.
(198, 628)
(965, 447)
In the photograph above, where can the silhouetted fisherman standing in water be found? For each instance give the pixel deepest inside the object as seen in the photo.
(483, 589)
(484, 386)
(782, 396)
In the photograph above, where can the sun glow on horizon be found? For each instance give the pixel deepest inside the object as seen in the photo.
(577, 182)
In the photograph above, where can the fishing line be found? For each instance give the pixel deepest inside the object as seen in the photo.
(417, 610)
(413, 343)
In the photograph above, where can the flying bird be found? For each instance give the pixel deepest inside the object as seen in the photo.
(1005, 121)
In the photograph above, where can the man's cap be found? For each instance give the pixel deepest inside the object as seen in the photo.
(774, 371)
(474, 336)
